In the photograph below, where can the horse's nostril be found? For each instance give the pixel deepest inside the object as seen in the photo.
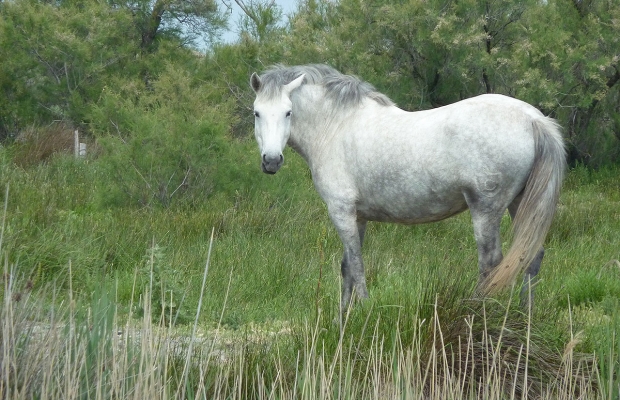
(273, 160)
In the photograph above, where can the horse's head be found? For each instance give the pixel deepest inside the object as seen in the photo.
(272, 121)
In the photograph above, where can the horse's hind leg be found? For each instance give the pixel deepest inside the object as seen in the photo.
(530, 276)
(486, 233)
(530, 279)
(486, 218)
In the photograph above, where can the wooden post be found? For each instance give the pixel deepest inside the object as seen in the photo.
(79, 149)
(76, 143)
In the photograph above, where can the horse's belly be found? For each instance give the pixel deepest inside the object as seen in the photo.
(406, 210)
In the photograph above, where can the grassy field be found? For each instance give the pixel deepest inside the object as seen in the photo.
(103, 300)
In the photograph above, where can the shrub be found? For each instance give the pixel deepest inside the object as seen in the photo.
(37, 144)
(160, 143)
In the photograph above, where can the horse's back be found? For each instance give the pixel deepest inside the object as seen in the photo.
(477, 134)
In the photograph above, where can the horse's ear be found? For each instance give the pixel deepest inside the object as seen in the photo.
(294, 84)
(255, 82)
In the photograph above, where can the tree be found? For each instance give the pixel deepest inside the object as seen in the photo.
(597, 76)
(56, 59)
(260, 19)
(188, 19)
(570, 70)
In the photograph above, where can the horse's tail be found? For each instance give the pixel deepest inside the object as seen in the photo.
(535, 213)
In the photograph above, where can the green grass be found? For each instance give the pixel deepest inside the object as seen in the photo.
(265, 323)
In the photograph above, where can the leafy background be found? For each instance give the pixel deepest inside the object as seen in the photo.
(171, 156)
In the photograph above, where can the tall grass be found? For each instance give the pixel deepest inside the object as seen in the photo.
(100, 301)
(60, 351)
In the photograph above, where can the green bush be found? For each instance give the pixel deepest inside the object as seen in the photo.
(160, 143)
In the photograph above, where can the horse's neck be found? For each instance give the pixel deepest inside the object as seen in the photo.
(302, 140)
(312, 127)
(308, 128)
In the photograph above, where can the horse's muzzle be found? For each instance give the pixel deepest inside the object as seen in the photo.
(271, 164)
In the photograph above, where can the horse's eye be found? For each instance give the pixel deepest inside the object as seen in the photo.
(288, 114)
(256, 114)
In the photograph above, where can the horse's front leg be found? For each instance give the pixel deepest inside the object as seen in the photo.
(351, 233)
(352, 270)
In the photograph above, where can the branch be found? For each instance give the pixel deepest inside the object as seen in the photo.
(118, 131)
(182, 183)
(248, 10)
(50, 68)
(148, 36)
(614, 78)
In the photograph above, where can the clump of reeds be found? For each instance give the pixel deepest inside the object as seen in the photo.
(478, 350)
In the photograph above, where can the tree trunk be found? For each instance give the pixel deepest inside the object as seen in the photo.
(153, 24)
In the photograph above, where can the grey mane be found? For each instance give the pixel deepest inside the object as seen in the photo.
(343, 90)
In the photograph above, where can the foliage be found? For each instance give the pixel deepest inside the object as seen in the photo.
(186, 20)
(260, 20)
(560, 55)
(573, 72)
(36, 145)
(160, 142)
(167, 306)
(56, 60)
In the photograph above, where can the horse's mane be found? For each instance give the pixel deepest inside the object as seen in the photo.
(343, 90)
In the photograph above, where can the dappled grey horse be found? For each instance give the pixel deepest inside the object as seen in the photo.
(371, 161)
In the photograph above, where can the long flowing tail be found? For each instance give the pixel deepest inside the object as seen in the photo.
(538, 204)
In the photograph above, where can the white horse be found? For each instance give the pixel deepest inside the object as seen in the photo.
(371, 161)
